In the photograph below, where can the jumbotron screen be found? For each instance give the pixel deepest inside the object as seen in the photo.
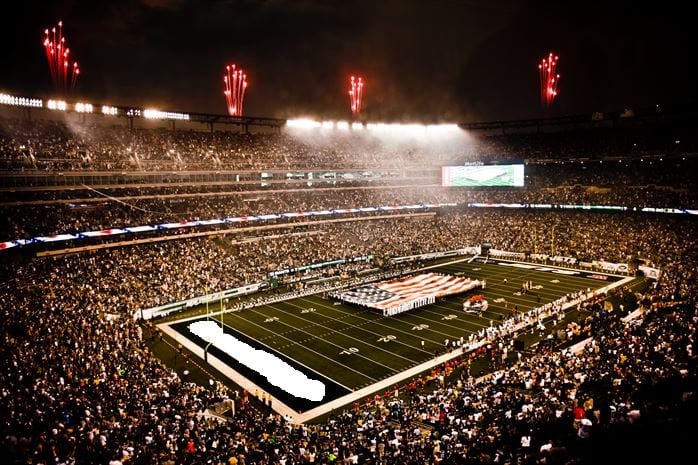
(483, 175)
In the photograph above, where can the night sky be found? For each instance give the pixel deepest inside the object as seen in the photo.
(455, 61)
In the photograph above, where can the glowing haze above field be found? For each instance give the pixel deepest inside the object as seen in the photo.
(431, 143)
(422, 61)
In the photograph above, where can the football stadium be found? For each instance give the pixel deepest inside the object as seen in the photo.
(280, 272)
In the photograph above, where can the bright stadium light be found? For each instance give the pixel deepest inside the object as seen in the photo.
(442, 128)
(151, 113)
(389, 129)
(110, 111)
(302, 123)
(57, 105)
(83, 107)
(6, 99)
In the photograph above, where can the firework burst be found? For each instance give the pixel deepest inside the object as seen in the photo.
(64, 70)
(234, 86)
(547, 70)
(356, 90)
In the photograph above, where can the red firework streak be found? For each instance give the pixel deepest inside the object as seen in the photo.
(547, 69)
(356, 90)
(235, 83)
(63, 75)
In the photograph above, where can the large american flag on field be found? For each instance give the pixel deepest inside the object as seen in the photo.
(390, 294)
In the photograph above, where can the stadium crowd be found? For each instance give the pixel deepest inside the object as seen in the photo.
(70, 144)
(596, 166)
(94, 210)
(79, 384)
(162, 272)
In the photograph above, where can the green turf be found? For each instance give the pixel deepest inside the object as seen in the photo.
(356, 347)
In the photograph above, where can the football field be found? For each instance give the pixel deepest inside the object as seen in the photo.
(350, 348)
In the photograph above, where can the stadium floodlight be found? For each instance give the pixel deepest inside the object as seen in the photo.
(442, 128)
(83, 107)
(6, 99)
(303, 123)
(389, 129)
(151, 113)
(110, 111)
(57, 105)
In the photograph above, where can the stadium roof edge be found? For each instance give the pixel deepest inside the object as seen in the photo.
(625, 117)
